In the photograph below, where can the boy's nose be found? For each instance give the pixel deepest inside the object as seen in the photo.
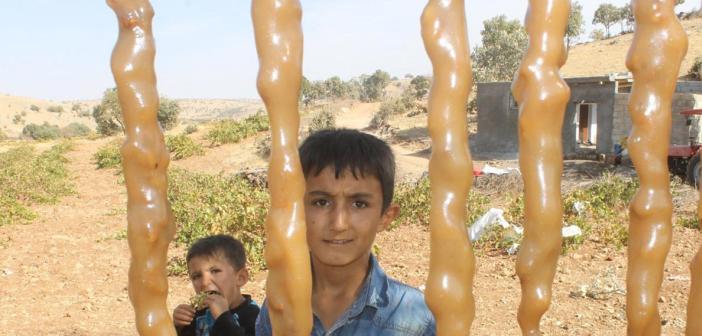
(206, 281)
(340, 219)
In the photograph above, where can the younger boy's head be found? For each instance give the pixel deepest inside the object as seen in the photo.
(347, 150)
(218, 263)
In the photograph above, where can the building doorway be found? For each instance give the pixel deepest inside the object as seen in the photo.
(586, 124)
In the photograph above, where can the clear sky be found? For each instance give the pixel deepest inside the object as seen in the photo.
(60, 49)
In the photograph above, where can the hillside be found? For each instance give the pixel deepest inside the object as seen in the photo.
(16, 112)
(606, 56)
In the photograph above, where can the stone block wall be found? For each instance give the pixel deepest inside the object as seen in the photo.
(621, 123)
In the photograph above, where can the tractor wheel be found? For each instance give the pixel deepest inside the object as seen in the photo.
(693, 171)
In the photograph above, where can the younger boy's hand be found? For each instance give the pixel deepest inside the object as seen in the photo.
(183, 315)
(217, 303)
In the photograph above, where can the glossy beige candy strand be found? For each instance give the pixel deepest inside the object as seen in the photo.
(449, 290)
(654, 57)
(542, 96)
(145, 162)
(278, 33)
(694, 304)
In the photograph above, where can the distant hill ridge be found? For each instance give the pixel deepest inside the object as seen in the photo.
(16, 111)
(606, 56)
(587, 59)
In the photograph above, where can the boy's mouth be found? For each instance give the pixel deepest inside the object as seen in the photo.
(338, 241)
(197, 301)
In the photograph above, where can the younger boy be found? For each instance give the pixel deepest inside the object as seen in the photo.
(217, 269)
(349, 179)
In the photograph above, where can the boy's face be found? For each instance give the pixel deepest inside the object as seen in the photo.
(215, 273)
(343, 216)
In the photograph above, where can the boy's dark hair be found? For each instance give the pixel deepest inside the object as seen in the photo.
(361, 153)
(229, 247)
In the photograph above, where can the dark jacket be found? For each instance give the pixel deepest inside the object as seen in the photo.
(238, 321)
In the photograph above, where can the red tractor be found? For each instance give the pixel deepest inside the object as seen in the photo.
(685, 159)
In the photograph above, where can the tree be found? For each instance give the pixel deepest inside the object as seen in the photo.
(503, 44)
(305, 91)
(168, 112)
(626, 17)
(421, 85)
(606, 15)
(335, 88)
(373, 86)
(108, 114)
(679, 2)
(575, 23)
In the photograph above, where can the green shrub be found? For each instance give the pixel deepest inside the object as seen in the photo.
(690, 222)
(84, 113)
(190, 129)
(605, 203)
(388, 108)
(497, 238)
(41, 132)
(108, 155)
(231, 131)
(177, 266)
(606, 197)
(322, 119)
(380, 119)
(206, 204)
(603, 217)
(34, 108)
(414, 201)
(55, 108)
(168, 112)
(75, 129)
(182, 146)
(224, 132)
(263, 147)
(695, 71)
(17, 119)
(28, 178)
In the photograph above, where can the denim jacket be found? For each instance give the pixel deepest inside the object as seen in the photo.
(384, 307)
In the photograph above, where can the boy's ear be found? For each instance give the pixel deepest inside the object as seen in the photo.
(242, 276)
(388, 216)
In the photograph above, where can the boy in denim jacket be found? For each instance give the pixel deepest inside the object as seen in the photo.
(349, 179)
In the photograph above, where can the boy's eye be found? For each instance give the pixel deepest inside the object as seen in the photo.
(195, 276)
(320, 202)
(360, 204)
(215, 270)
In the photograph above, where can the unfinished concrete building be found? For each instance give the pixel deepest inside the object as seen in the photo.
(596, 117)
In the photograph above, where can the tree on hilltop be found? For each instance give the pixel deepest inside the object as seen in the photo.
(576, 25)
(626, 18)
(607, 15)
